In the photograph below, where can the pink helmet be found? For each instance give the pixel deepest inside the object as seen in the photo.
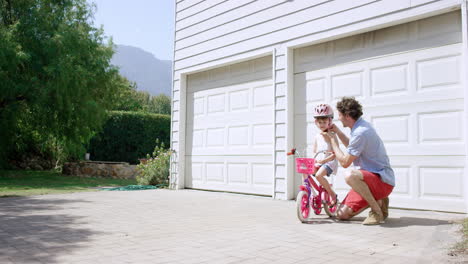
(324, 110)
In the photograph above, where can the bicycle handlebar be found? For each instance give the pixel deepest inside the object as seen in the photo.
(293, 152)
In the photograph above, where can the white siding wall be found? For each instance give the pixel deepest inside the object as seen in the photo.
(214, 33)
(280, 175)
(213, 29)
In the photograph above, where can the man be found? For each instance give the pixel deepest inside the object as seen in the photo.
(373, 182)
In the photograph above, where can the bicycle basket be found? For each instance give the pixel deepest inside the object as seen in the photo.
(305, 165)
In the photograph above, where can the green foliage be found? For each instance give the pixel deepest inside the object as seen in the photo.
(56, 81)
(154, 169)
(160, 104)
(129, 99)
(128, 136)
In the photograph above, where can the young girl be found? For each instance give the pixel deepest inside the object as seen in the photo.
(325, 163)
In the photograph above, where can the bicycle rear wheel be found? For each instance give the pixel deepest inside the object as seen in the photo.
(327, 200)
(302, 206)
(316, 204)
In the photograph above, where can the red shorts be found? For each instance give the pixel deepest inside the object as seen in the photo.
(378, 188)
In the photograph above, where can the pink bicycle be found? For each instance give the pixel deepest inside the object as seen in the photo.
(311, 195)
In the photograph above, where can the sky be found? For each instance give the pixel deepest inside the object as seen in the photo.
(146, 24)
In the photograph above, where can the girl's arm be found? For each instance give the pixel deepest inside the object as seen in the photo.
(327, 159)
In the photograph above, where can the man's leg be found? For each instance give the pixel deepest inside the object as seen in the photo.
(355, 179)
(384, 206)
(345, 212)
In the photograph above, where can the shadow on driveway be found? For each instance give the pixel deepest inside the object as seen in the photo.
(391, 222)
(33, 229)
(414, 221)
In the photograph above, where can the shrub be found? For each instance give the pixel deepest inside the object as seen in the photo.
(154, 169)
(128, 136)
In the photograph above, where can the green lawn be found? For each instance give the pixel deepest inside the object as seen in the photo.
(24, 183)
(462, 246)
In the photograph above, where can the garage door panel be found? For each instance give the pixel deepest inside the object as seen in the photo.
(403, 181)
(262, 134)
(238, 173)
(390, 80)
(247, 174)
(238, 136)
(429, 72)
(239, 100)
(195, 171)
(440, 127)
(431, 187)
(216, 103)
(215, 137)
(262, 96)
(432, 181)
(349, 83)
(315, 89)
(420, 128)
(393, 128)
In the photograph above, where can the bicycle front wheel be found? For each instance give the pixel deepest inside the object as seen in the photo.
(302, 206)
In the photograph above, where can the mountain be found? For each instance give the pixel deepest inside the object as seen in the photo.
(139, 66)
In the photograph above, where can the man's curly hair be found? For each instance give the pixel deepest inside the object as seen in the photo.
(350, 106)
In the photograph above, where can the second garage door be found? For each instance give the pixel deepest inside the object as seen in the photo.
(409, 80)
(230, 128)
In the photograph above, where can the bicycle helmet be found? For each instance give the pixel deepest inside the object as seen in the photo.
(324, 110)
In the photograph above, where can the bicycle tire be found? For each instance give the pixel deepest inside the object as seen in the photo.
(302, 206)
(330, 211)
(316, 204)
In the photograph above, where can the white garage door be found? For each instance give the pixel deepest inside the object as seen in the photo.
(230, 128)
(409, 80)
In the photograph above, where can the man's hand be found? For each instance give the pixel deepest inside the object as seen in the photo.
(343, 138)
(333, 128)
(328, 136)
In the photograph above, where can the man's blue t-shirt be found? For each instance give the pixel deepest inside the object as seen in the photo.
(370, 151)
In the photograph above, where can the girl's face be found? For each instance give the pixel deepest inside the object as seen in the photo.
(322, 124)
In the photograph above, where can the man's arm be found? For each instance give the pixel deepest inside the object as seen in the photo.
(344, 159)
(343, 138)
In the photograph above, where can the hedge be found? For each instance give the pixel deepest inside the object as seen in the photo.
(129, 136)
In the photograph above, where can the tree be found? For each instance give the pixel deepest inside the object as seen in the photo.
(125, 97)
(56, 80)
(160, 104)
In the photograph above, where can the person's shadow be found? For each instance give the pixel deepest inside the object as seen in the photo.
(404, 221)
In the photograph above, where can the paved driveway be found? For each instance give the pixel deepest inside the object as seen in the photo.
(163, 226)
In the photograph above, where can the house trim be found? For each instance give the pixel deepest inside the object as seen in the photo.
(464, 15)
